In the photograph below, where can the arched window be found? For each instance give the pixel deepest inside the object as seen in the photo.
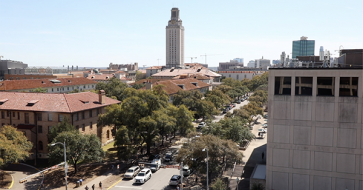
(108, 134)
(40, 145)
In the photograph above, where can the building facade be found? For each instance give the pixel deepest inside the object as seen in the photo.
(11, 67)
(315, 138)
(241, 73)
(231, 63)
(36, 113)
(303, 47)
(174, 41)
(262, 63)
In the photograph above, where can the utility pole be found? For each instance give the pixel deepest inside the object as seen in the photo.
(191, 59)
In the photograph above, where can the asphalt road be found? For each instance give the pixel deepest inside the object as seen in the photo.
(158, 181)
(18, 172)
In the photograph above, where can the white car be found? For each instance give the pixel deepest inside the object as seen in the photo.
(186, 170)
(201, 124)
(143, 176)
(132, 172)
(262, 130)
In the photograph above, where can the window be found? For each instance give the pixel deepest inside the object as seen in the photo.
(2, 124)
(83, 115)
(90, 113)
(90, 125)
(76, 116)
(325, 86)
(282, 85)
(8, 114)
(50, 117)
(348, 86)
(60, 117)
(304, 86)
(52, 90)
(14, 114)
(77, 127)
(40, 129)
(97, 112)
(67, 88)
(26, 115)
(57, 89)
(40, 145)
(18, 115)
(3, 115)
(83, 127)
(108, 134)
(39, 116)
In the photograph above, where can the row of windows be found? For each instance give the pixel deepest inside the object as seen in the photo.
(68, 88)
(348, 86)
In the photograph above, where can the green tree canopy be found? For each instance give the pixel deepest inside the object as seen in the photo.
(79, 148)
(114, 87)
(14, 145)
(65, 125)
(40, 90)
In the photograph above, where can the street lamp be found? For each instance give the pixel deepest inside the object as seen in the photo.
(65, 160)
(204, 149)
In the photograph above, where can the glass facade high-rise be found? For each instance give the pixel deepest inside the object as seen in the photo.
(303, 47)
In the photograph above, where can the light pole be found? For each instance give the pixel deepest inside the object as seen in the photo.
(204, 149)
(65, 160)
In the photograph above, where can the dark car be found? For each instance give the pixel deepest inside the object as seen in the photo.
(225, 111)
(168, 157)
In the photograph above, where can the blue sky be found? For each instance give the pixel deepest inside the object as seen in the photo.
(94, 33)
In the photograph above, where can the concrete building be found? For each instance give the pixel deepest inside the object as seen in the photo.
(262, 63)
(315, 137)
(174, 41)
(303, 47)
(152, 70)
(227, 65)
(61, 85)
(36, 113)
(11, 67)
(240, 60)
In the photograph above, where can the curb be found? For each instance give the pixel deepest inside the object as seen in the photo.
(12, 182)
(114, 184)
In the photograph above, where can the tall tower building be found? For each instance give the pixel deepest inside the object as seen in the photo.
(303, 47)
(174, 41)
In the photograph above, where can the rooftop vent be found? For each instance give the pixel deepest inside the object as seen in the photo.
(181, 86)
(2, 101)
(199, 69)
(195, 83)
(92, 77)
(84, 101)
(32, 102)
(69, 80)
(55, 81)
(43, 82)
(172, 69)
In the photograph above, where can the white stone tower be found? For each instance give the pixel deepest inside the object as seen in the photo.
(174, 41)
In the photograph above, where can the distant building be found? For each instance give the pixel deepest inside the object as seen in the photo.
(11, 67)
(274, 62)
(36, 113)
(351, 57)
(174, 41)
(196, 64)
(251, 64)
(171, 73)
(126, 67)
(172, 87)
(262, 63)
(60, 85)
(303, 47)
(241, 73)
(152, 70)
(240, 60)
(227, 65)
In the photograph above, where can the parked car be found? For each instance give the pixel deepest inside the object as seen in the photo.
(175, 180)
(155, 165)
(225, 111)
(132, 172)
(265, 116)
(239, 101)
(234, 104)
(143, 176)
(264, 125)
(168, 157)
(262, 130)
(201, 124)
(186, 170)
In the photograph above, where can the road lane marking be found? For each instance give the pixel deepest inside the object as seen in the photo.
(129, 187)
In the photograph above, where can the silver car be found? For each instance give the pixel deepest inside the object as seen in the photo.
(132, 172)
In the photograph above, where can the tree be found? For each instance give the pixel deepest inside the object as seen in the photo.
(138, 86)
(140, 75)
(184, 119)
(222, 154)
(114, 87)
(125, 146)
(257, 186)
(40, 90)
(79, 148)
(65, 125)
(218, 184)
(14, 145)
(205, 109)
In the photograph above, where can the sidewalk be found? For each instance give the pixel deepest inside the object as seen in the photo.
(251, 156)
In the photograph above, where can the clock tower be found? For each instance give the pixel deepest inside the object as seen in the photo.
(174, 41)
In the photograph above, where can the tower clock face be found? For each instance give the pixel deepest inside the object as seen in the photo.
(173, 21)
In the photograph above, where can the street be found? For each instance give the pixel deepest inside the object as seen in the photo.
(158, 181)
(221, 116)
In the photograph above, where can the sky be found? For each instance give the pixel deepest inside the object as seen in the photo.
(94, 33)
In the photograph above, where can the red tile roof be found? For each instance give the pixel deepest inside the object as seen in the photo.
(171, 86)
(100, 76)
(42, 83)
(66, 103)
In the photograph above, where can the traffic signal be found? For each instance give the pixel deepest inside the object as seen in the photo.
(22, 181)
